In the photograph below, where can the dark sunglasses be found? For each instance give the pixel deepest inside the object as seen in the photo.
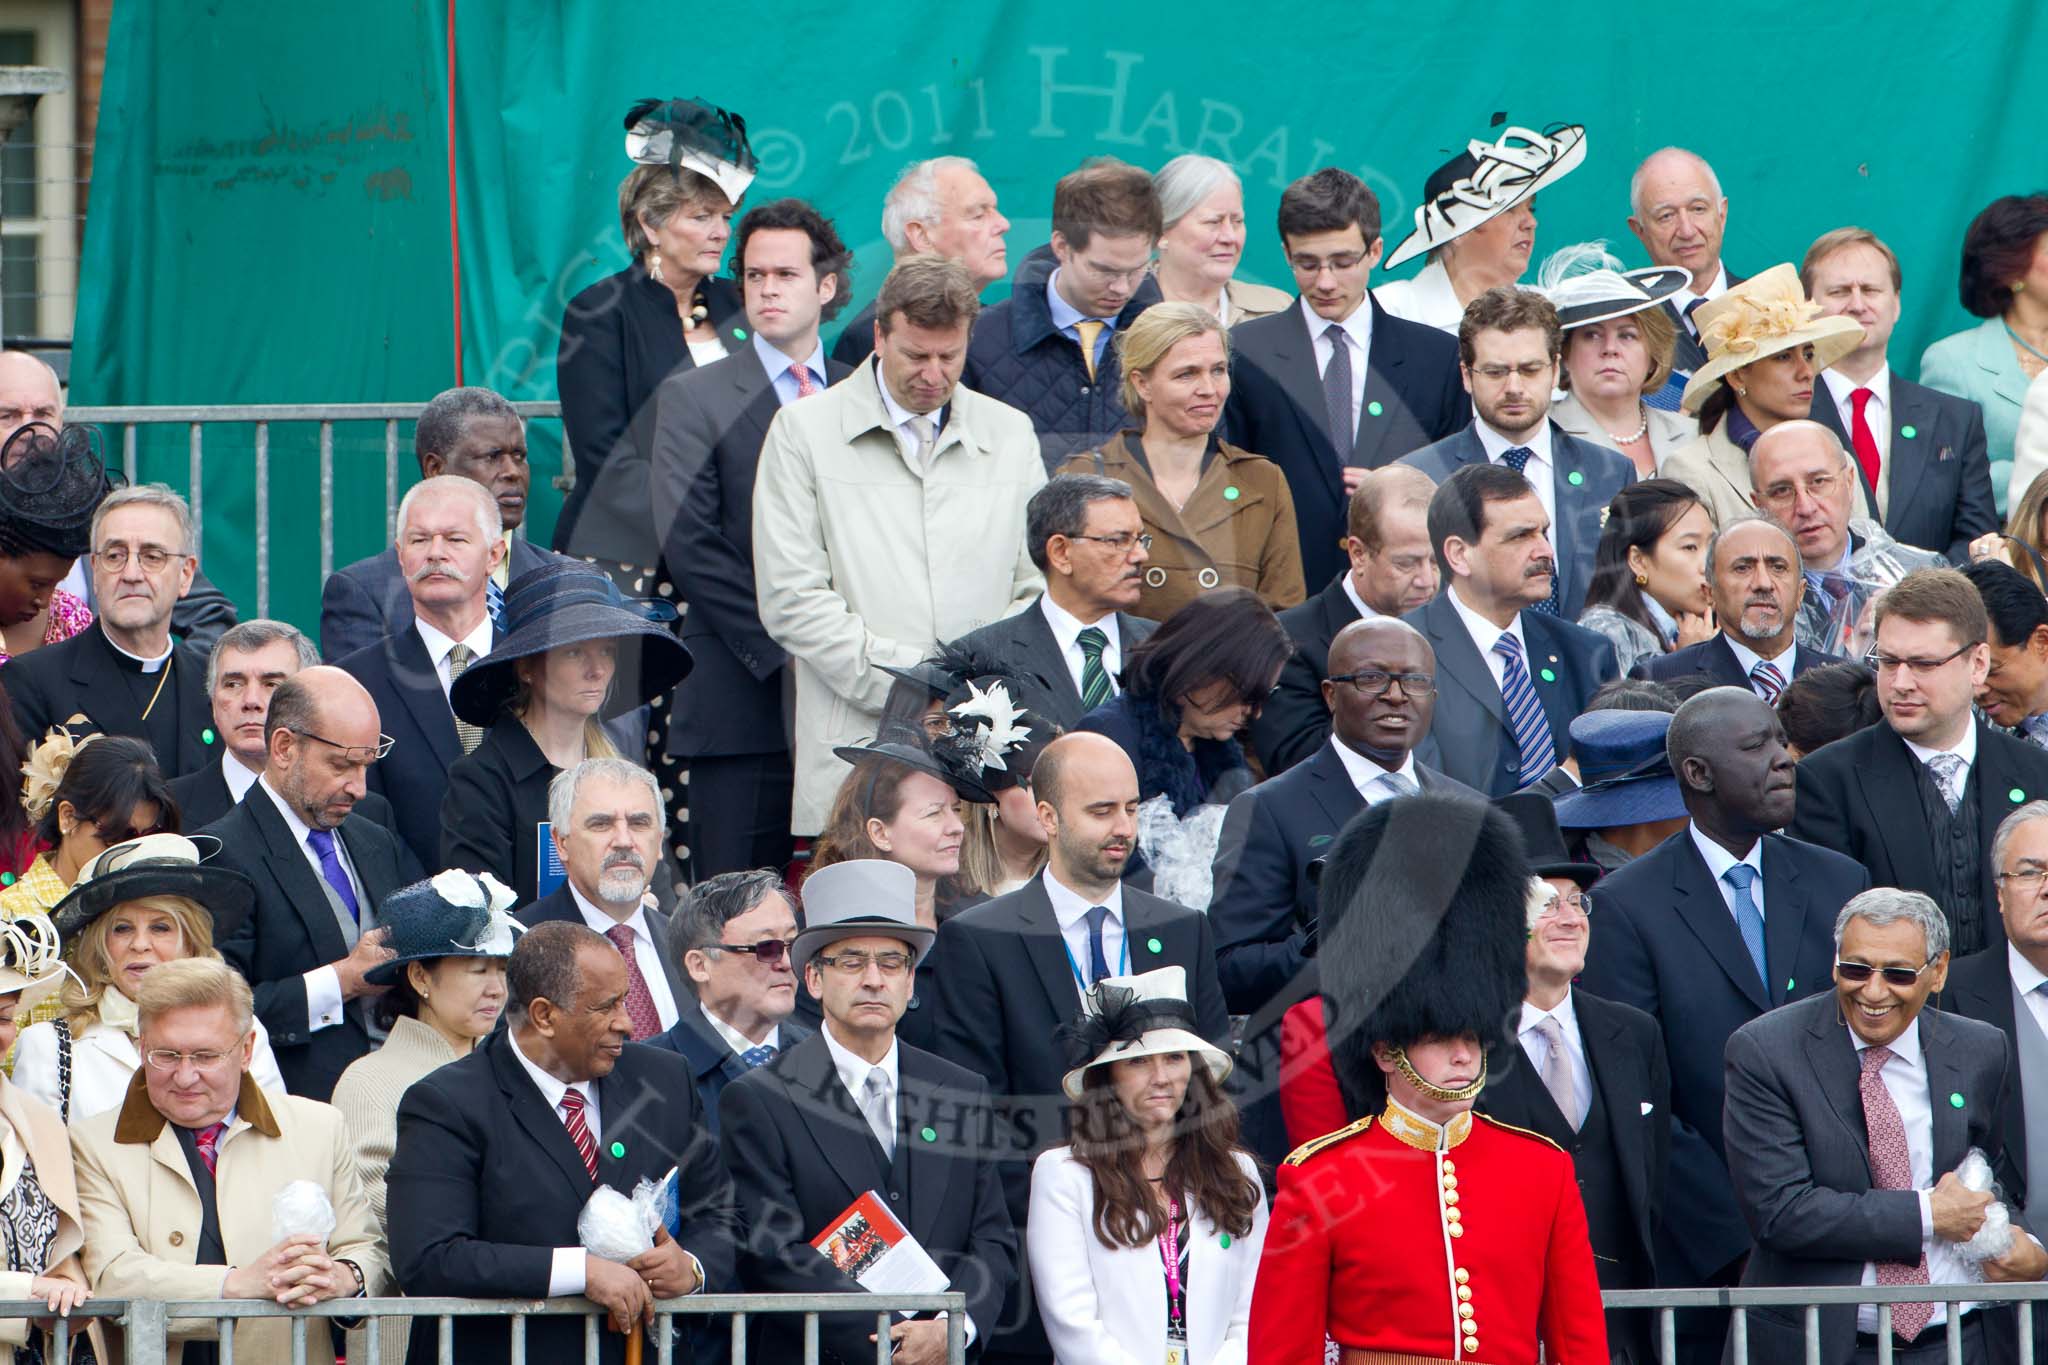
(768, 952)
(1860, 972)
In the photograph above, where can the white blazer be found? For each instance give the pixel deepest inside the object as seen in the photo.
(1106, 1305)
(103, 1062)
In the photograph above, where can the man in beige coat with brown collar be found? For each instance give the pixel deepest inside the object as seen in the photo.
(888, 516)
(147, 1173)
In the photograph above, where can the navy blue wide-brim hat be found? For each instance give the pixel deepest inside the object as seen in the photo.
(1625, 774)
(570, 603)
(424, 925)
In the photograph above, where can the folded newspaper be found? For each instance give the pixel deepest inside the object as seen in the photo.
(871, 1245)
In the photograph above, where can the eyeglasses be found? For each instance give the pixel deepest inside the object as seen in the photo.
(1579, 903)
(1371, 682)
(1309, 267)
(170, 1059)
(1885, 663)
(152, 558)
(1859, 972)
(854, 963)
(353, 753)
(121, 834)
(2027, 881)
(770, 952)
(1121, 542)
(1528, 369)
(1820, 487)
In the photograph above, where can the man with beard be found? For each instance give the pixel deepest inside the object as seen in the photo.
(1508, 349)
(1381, 691)
(320, 871)
(1509, 678)
(1716, 925)
(607, 818)
(1753, 576)
(1073, 924)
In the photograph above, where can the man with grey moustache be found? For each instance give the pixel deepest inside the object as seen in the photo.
(1754, 577)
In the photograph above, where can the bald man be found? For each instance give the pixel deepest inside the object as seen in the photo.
(1013, 969)
(320, 872)
(29, 392)
(1678, 213)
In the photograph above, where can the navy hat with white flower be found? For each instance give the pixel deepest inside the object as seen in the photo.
(567, 603)
(451, 914)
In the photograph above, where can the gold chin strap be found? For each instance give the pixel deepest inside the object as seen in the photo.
(1435, 1092)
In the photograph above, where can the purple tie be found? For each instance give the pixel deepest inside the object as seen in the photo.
(322, 842)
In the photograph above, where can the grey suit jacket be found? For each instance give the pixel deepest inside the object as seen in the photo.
(1024, 641)
(1584, 477)
(1798, 1152)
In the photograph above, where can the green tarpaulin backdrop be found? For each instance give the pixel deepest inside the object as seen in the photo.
(270, 208)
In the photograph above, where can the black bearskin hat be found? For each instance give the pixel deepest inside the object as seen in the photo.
(1423, 908)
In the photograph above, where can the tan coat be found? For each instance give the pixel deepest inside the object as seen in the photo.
(1243, 300)
(1669, 432)
(44, 1141)
(1236, 530)
(1717, 469)
(142, 1210)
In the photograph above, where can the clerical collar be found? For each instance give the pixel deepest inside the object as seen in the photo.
(1418, 1132)
(142, 665)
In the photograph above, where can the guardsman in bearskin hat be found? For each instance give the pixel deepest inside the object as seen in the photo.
(1425, 1232)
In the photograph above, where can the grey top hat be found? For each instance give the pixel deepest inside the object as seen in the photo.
(859, 898)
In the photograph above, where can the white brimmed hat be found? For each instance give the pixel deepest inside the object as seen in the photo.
(1485, 181)
(1765, 314)
(1137, 1016)
(31, 958)
(860, 898)
(1599, 295)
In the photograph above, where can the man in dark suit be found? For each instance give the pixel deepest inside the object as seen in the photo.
(606, 817)
(1380, 690)
(942, 207)
(1716, 925)
(851, 1112)
(1509, 680)
(1918, 798)
(1048, 349)
(1068, 648)
(1591, 1076)
(1000, 1021)
(709, 424)
(1919, 452)
(244, 668)
(1753, 577)
(1844, 1143)
(2015, 690)
(468, 433)
(731, 936)
(1392, 572)
(448, 545)
(498, 1153)
(124, 673)
(1508, 350)
(1336, 385)
(320, 871)
(1678, 213)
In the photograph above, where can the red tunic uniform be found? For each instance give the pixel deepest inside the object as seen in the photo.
(1464, 1243)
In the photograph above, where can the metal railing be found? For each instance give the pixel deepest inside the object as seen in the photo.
(261, 416)
(146, 1323)
(1811, 1299)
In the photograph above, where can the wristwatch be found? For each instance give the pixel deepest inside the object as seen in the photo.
(362, 1286)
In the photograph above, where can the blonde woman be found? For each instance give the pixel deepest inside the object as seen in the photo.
(574, 652)
(1217, 516)
(138, 905)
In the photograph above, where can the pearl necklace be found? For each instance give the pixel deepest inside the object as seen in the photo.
(1635, 435)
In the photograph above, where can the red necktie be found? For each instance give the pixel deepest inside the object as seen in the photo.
(1892, 1164)
(1866, 443)
(207, 1140)
(639, 1000)
(804, 387)
(579, 1131)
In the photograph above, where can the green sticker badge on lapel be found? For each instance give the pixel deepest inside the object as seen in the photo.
(206, 735)
(1575, 478)
(1547, 675)
(1955, 1099)
(618, 1150)
(739, 334)
(1319, 840)
(1374, 408)
(1908, 432)
(2017, 796)
(1226, 1241)
(1230, 494)
(1155, 945)
(928, 1134)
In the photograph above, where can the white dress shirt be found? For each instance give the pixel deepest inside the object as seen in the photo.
(1966, 749)
(900, 419)
(1365, 774)
(1786, 663)
(1540, 471)
(238, 775)
(737, 1041)
(1066, 633)
(1485, 634)
(1877, 412)
(1719, 860)
(1365, 612)
(646, 955)
(1905, 1079)
(1538, 1049)
(323, 984)
(566, 1271)
(781, 368)
(1071, 909)
(1358, 330)
(439, 645)
(1684, 297)
(2027, 979)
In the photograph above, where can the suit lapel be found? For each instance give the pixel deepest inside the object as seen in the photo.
(1457, 658)
(1331, 786)
(419, 689)
(1516, 1093)
(925, 1106)
(1722, 663)
(1047, 950)
(1910, 455)
(1578, 507)
(188, 672)
(1946, 1079)
(541, 1123)
(1786, 908)
(303, 889)
(1889, 785)
(1619, 1076)
(757, 400)
(831, 1118)
(1704, 911)
(373, 859)
(1382, 366)
(1544, 658)
(1838, 1069)
(1294, 366)
(1041, 644)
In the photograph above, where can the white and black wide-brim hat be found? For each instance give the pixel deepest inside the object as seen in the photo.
(1485, 181)
(1136, 1016)
(1602, 295)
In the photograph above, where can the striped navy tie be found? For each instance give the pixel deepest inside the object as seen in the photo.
(1767, 680)
(1525, 712)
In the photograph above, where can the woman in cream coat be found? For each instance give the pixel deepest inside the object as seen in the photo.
(1145, 1076)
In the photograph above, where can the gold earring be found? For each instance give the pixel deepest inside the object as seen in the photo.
(1641, 581)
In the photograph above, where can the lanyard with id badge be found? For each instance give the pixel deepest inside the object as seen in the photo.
(1176, 1292)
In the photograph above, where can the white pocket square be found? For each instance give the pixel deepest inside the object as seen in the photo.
(1647, 1107)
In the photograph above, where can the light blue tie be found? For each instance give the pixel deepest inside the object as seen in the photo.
(1525, 713)
(1749, 920)
(494, 602)
(757, 1056)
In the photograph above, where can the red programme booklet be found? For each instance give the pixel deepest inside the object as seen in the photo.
(872, 1246)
